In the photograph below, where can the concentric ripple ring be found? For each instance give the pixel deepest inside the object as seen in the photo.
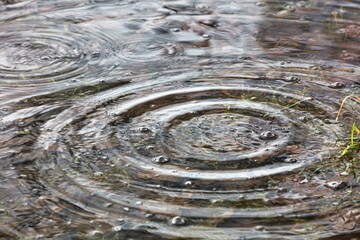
(35, 53)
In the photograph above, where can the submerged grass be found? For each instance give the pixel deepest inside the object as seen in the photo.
(350, 154)
(354, 142)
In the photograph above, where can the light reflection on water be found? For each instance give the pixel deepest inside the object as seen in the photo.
(177, 119)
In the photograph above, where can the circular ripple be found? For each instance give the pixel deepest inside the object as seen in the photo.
(207, 131)
(149, 9)
(226, 132)
(152, 50)
(39, 52)
(199, 157)
(213, 128)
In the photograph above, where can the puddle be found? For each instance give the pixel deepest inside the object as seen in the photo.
(178, 119)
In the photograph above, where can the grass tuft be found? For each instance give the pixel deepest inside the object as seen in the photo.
(343, 103)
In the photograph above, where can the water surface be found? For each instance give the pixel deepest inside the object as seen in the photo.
(178, 119)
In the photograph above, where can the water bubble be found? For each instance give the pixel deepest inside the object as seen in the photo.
(95, 233)
(336, 185)
(304, 119)
(290, 160)
(178, 221)
(267, 135)
(96, 54)
(305, 180)
(259, 228)
(244, 57)
(161, 160)
(329, 121)
(201, 6)
(292, 79)
(188, 183)
(45, 58)
(215, 201)
(210, 22)
(21, 123)
(150, 147)
(260, 4)
(98, 174)
(337, 85)
(281, 189)
(108, 205)
(144, 130)
(291, 8)
(301, 4)
(207, 36)
(117, 228)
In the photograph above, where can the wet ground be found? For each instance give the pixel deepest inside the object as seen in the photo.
(178, 119)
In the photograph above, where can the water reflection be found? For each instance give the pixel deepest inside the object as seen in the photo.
(177, 119)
